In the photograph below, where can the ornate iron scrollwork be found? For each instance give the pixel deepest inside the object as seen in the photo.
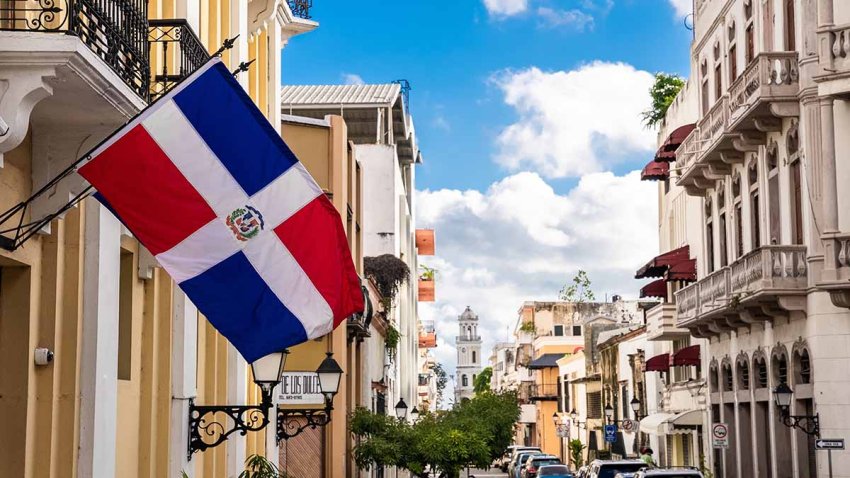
(291, 422)
(809, 424)
(207, 431)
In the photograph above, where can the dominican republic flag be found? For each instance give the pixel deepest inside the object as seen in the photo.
(206, 183)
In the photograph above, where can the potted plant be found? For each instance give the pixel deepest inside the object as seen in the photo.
(426, 284)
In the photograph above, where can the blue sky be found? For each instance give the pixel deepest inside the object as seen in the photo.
(449, 51)
(528, 116)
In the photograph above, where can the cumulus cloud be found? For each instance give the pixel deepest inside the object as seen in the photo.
(682, 7)
(504, 8)
(574, 18)
(352, 79)
(574, 122)
(521, 240)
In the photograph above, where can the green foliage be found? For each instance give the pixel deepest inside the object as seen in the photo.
(474, 433)
(442, 380)
(391, 340)
(427, 273)
(704, 469)
(576, 453)
(257, 466)
(579, 291)
(388, 272)
(482, 380)
(528, 327)
(663, 92)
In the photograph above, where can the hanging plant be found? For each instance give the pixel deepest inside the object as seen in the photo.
(528, 327)
(427, 274)
(391, 340)
(388, 272)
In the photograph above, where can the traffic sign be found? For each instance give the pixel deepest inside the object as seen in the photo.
(829, 444)
(720, 435)
(629, 426)
(563, 431)
(610, 433)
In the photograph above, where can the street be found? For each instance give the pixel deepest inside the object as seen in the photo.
(493, 472)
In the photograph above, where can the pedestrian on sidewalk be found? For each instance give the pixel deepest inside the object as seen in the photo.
(646, 457)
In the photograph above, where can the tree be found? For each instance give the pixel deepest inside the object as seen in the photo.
(442, 380)
(473, 433)
(579, 291)
(576, 453)
(482, 380)
(663, 92)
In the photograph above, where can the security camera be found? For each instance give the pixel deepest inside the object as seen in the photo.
(43, 356)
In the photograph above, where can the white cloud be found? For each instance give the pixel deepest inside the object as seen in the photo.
(565, 18)
(352, 79)
(520, 240)
(440, 122)
(505, 8)
(682, 7)
(574, 122)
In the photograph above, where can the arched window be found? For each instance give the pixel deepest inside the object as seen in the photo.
(750, 31)
(760, 370)
(779, 363)
(755, 214)
(464, 380)
(742, 368)
(703, 70)
(474, 357)
(802, 366)
(728, 379)
(713, 380)
(733, 51)
(709, 235)
(718, 67)
(790, 29)
(737, 207)
(721, 213)
(773, 192)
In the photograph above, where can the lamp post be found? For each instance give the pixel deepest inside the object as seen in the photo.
(207, 432)
(329, 374)
(401, 409)
(609, 413)
(578, 424)
(809, 424)
(414, 415)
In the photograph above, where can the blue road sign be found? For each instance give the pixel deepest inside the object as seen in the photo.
(610, 433)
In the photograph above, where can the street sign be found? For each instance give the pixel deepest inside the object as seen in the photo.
(720, 435)
(610, 433)
(829, 444)
(300, 388)
(629, 426)
(563, 431)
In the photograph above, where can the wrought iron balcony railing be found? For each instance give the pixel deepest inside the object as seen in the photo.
(175, 52)
(301, 8)
(115, 30)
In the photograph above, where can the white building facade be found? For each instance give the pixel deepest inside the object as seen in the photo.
(468, 344)
(766, 186)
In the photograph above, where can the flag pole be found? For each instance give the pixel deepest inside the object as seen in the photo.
(24, 231)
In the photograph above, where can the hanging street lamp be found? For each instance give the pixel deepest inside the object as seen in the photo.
(809, 424)
(292, 421)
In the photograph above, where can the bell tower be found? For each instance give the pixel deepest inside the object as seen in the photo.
(468, 344)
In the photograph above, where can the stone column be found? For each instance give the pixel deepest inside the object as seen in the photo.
(825, 13)
(830, 185)
(99, 347)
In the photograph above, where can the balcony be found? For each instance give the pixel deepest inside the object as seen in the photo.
(175, 52)
(834, 54)
(534, 392)
(301, 8)
(114, 30)
(661, 323)
(738, 122)
(766, 283)
(836, 272)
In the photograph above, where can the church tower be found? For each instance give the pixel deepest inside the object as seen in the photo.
(468, 344)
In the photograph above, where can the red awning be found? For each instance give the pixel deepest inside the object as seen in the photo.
(656, 288)
(688, 356)
(667, 151)
(659, 363)
(684, 271)
(658, 266)
(655, 171)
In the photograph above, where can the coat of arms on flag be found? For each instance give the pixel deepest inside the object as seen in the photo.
(209, 187)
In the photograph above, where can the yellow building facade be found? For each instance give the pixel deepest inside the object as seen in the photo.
(128, 351)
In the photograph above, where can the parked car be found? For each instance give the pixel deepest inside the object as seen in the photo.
(529, 470)
(675, 472)
(519, 462)
(625, 475)
(515, 454)
(554, 471)
(510, 453)
(583, 472)
(610, 468)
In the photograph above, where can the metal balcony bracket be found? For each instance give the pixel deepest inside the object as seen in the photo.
(291, 422)
(206, 431)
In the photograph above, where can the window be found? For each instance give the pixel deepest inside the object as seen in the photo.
(728, 379)
(780, 368)
(681, 374)
(797, 203)
(790, 30)
(760, 366)
(755, 215)
(803, 367)
(558, 330)
(713, 378)
(750, 32)
(773, 193)
(739, 216)
(718, 67)
(733, 53)
(474, 356)
(709, 236)
(594, 405)
(464, 380)
(743, 374)
(721, 205)
(576, 330)
(703, 68)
